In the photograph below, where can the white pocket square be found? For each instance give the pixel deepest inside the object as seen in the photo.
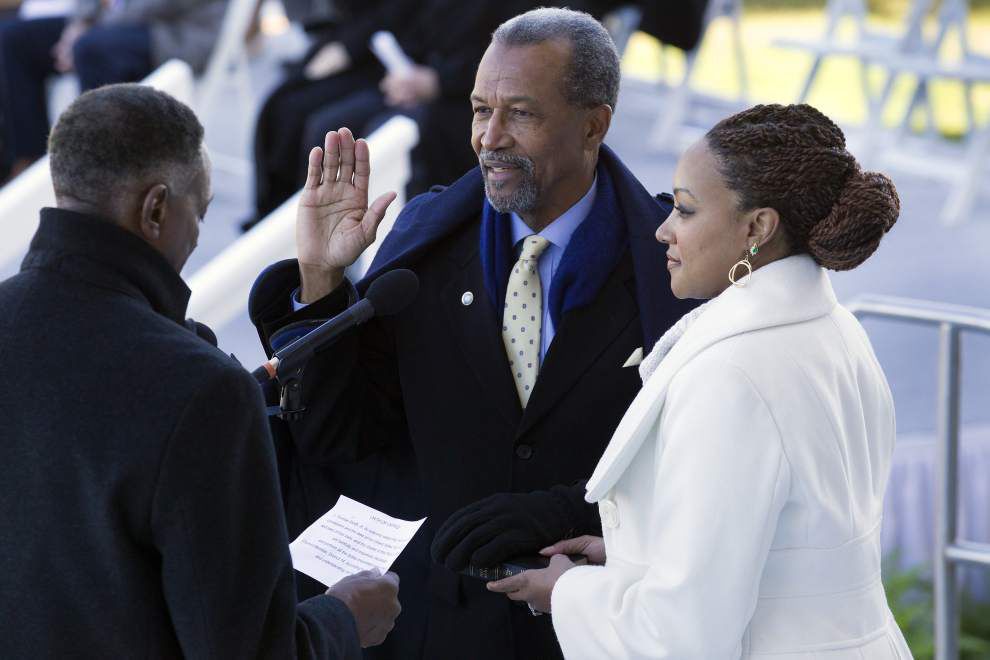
(634, 359)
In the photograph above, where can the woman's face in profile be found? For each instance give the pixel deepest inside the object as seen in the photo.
(704, 231)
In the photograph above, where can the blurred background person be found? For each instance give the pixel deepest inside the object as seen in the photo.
(102, 42)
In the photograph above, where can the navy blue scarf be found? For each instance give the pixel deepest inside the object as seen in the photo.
(592, 254)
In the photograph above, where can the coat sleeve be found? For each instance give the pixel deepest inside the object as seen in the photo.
(218, 526)
(721, 481)
(351, 389)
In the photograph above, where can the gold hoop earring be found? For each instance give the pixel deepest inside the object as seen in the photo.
(745, 263)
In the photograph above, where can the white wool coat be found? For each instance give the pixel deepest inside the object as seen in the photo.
(741, 493)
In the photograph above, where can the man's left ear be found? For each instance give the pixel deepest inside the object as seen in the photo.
(764, 224)
(597, 125)
(153, 211)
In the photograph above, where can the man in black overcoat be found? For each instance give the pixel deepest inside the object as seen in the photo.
(433, 403)
(138, 489)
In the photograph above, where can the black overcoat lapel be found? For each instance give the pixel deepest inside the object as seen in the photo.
(477, 331)
(584, 334)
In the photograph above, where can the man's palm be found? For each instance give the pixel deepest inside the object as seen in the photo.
(334, 224)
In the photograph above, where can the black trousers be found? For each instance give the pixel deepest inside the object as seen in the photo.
(103, 55)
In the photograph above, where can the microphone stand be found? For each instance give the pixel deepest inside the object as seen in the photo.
(288, 364)
(386, 295)
(290, 401)
(288, 380)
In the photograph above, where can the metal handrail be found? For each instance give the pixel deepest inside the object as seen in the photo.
(950, 550)
(923, 311)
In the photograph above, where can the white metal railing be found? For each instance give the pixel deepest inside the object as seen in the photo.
(22, 199)
(950, 550)
(220, 288)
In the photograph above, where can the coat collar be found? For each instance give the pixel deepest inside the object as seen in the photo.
(792, 290)
(97, 251)
(432, 216)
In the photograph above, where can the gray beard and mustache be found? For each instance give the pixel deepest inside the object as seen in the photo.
(524, 197)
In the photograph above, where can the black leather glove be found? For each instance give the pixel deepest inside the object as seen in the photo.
(507, 525)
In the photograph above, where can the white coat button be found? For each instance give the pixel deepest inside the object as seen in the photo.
(609, 514)
(467, 298)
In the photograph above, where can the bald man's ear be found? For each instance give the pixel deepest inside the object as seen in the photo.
(153, 211)
(597, 124)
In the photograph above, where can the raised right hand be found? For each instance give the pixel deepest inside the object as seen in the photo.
(373, 599)
(334, 223)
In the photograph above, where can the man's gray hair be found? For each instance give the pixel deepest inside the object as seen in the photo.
(592, 78)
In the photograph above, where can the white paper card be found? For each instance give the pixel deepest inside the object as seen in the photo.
(349, 538)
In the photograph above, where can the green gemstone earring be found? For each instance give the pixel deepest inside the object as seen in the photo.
(743, 263)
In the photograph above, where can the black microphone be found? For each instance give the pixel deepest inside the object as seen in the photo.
(388, 294)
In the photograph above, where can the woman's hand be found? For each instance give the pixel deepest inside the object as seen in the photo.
(592, 547)
(535, 586)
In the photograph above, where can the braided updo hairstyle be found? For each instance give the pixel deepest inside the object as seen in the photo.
(793, 159)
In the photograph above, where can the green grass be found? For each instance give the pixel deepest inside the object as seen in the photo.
(776, 74)
(909, 594)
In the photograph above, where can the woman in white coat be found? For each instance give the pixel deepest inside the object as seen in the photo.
(741, 494)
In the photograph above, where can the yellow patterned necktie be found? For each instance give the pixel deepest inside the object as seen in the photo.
(523, 317)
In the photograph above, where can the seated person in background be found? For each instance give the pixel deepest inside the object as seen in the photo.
(103, 43)
(742, 492)
(138, 488)
(341, 83)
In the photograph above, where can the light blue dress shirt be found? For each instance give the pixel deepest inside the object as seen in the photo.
(559, 234)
